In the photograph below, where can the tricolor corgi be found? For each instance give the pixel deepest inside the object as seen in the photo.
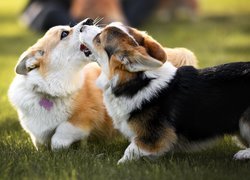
(159, 107)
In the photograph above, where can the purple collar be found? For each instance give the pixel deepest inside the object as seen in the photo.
(46, 103)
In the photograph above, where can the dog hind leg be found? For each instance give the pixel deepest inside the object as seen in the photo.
(142, 145)
(133, 152)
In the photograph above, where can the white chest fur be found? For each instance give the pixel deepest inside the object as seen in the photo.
(119, 113)
(34, 117)
(119, 108)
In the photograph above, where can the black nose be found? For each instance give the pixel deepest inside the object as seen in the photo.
(72, 23)
(88, 21)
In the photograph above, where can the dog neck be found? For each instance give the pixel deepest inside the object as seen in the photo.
(131, 94)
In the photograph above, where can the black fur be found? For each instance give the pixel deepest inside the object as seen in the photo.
(129, 89)
(198, 104)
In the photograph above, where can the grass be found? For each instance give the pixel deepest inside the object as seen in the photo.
(222, 34)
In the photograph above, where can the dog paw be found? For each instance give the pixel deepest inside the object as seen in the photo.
(122, 160)
(242, 155)
(127, 158)
(57, 143)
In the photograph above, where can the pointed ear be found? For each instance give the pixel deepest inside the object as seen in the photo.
(152, 47)
(28, 62)
(136, 62)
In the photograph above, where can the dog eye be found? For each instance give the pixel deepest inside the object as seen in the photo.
(64, 34)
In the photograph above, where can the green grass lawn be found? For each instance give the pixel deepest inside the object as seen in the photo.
(222, 34)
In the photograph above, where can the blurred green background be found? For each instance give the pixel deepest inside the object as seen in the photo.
(221, 34)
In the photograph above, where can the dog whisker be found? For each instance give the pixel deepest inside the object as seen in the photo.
(97, 20)
(101, 25)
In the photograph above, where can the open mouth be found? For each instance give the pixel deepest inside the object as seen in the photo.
(85, 50)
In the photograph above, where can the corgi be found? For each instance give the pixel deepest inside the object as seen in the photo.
(161, 108)
(54, 93)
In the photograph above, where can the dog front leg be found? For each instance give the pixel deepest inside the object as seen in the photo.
(133, 152)
(66, 133)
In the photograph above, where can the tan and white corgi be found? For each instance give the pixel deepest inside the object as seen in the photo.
(54, 91)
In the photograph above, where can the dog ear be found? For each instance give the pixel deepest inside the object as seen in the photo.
(28, 62)
(152, 47)
(135, 61)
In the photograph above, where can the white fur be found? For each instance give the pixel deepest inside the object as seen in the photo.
(133, 152)
(245, 130)
(242, 154)
(87, 36)
(245, 134)
(63, 78)
(35, 119)
(66, 134)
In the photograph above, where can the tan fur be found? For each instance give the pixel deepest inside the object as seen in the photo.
(167, 135)
(165, 142)
(116, 67)
(152, 47)
(89, 112)
(181, 56)
(47, 43)
(177, 56)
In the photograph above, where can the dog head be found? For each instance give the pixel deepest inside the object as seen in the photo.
(122, 50)
(50, 65)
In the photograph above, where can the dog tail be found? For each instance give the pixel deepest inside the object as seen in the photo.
(181, 57)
